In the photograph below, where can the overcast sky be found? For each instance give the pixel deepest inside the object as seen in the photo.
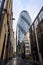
(32, 6)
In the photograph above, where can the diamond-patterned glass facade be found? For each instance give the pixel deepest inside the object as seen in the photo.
(23, 25)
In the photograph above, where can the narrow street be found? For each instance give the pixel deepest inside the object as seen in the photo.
(19, 61)
(21, 32)
(16, 61)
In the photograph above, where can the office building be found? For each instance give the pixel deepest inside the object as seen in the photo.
(36, 37)
(6, 29)
(23, 25)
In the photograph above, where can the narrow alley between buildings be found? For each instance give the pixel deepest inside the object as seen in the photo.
(26, 46)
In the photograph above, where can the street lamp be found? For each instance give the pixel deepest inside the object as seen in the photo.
(13, 18)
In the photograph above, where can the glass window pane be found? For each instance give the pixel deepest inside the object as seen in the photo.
(36, 23)
(41, 16)
(0, 2)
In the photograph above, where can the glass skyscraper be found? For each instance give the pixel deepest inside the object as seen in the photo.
(23, 25)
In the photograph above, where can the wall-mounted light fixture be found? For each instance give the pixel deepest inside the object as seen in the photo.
(13, 18)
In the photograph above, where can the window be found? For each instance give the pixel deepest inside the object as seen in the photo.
(5, 4)
(27, 46)
(32, 28)
(0, 2)
(27, 51)
(41, 16)
(35, 23)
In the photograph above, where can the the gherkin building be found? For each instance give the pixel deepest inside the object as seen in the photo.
(23, 26)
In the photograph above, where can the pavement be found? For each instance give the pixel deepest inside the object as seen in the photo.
(19, 61)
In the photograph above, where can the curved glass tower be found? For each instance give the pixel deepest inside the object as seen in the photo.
(23, 25)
